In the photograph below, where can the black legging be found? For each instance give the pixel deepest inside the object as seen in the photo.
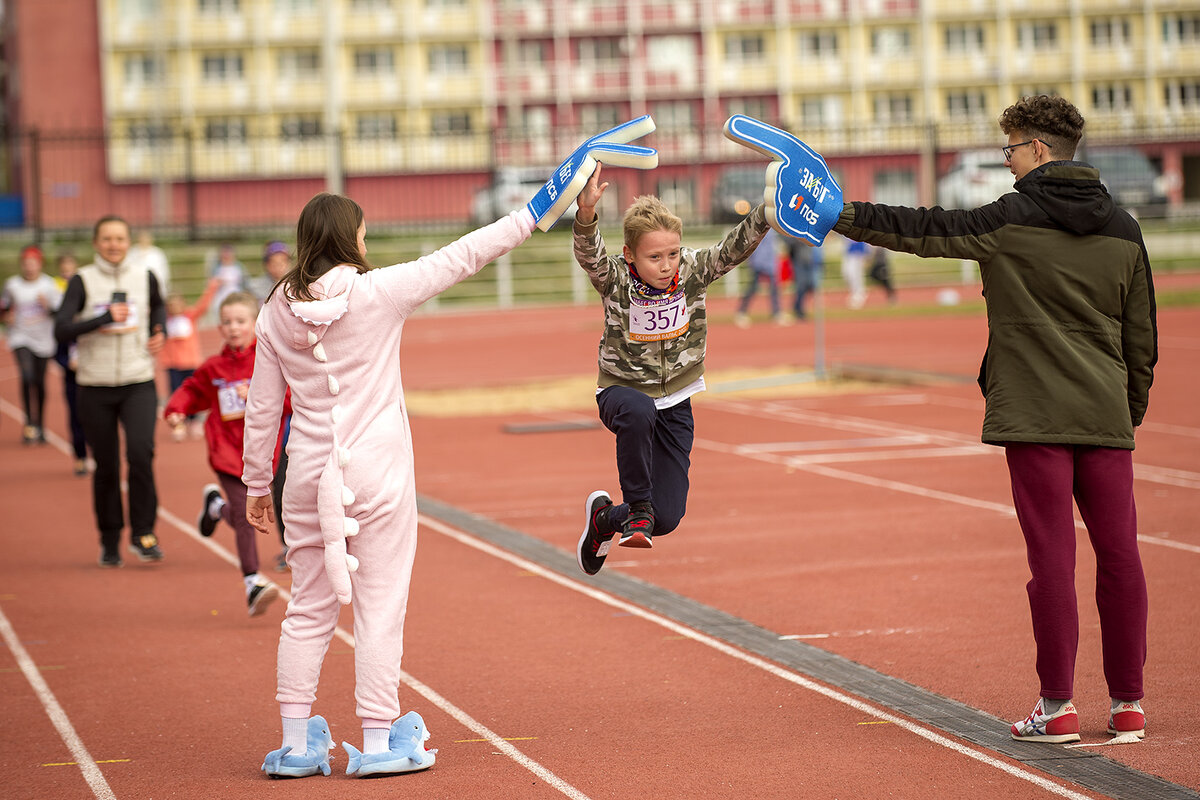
(33, 384)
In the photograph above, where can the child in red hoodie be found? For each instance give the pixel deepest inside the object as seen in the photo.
(220, 385)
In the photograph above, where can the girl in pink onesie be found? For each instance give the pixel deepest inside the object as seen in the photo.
(331, 331)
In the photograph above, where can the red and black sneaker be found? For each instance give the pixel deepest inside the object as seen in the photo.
(597, 533)
(639, 526)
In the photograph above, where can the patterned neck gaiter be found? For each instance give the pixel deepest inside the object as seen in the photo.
(646, 290)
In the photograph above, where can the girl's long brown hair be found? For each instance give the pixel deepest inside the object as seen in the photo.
(326, 236)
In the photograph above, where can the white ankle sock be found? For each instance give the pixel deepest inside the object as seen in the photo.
(375, 740)
(216, 507)
(251, 580)
(295, 733)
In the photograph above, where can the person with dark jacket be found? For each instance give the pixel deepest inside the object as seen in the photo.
(113, 311)
(1072, 344)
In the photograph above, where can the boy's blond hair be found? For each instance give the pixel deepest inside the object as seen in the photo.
(240, 298)
(647, 214)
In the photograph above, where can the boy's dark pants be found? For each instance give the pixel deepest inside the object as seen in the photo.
(653, 453)
(134, 408)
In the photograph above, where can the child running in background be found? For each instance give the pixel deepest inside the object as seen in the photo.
(28, 302)
(331, 331)
(651, 360)
(67, 356)
(181, 353)
(220, 385)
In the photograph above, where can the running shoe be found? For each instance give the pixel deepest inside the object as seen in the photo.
(210, 511)
(146, 548)
(1062, 726)
(110, 559)
(1127, 717)
(597, 533)
(639, 526)
(261, 595)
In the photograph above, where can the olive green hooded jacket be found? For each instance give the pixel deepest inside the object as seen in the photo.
(1072, 335)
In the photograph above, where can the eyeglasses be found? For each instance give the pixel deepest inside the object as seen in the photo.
(1008, 149)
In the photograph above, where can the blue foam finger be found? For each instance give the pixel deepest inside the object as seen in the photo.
(557, 193)
(801, 196)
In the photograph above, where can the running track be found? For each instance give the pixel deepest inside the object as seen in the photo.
(842, 613)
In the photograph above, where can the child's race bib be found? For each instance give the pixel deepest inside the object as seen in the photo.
(230, 401)
(179, 327)
(653, 319)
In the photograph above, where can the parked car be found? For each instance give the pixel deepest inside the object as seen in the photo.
(738, 190)
(512, 188)
(975, 178)
(1130, 178)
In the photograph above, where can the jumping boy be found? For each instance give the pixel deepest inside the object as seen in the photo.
(651, 360)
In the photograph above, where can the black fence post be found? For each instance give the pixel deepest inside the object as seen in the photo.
(35, 184)
(189, 178)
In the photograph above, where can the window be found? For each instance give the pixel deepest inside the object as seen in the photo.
(679, 193)
(1181, 30)
(144, 69)
(755, 107)
(149, 134)
(370, 5)
(450, 59)
(138, 9)
(893, 108)
(376, 126)
(897, 187)
(225, 131)
(675, 116)
(451, 122)
(600, 118)
(221, 67)
(963, 40)
(300, 128)
(1110, 32)
(960, 105)
(371, 61)
(296, 6)
(445, 3)
(598, 50)
(531, 54)
(812, 111)
(818, 44)
(745, 48)
(1182, 95)
(300, 64)
(1037, 35)
(218, 6)
(891, 42)
(1112, 97)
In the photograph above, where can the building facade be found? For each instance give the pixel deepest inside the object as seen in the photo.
(224, 111)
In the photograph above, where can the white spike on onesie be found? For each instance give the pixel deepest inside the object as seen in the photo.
(350, 526)
(319, 352)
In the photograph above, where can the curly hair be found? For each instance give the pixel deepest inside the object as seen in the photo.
(646, 214)
(1053, 120)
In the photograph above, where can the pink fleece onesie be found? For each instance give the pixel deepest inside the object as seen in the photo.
(349, 504)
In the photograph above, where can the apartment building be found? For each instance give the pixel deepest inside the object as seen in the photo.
(239, 109)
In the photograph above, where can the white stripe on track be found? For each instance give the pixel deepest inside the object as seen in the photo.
(729, 650)
(58, 717)
(463, 718)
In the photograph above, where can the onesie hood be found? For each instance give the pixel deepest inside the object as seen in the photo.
(311, 318)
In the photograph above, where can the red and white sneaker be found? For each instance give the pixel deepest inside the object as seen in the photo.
(1127, 717)
(1057, 728)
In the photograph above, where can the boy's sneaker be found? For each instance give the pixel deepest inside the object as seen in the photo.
(261, 595)
(210, 512)
(146, 548)
(597, 533)
(1061, 726)
(639, 526)
(1127, 717)
(110, 559)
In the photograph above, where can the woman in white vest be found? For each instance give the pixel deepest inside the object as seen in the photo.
(113, 310)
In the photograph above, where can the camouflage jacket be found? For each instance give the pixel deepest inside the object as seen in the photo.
(656, 345)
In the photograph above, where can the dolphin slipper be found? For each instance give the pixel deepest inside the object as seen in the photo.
(406, 750)
(279, 764)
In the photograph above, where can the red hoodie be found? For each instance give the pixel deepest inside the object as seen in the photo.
(214, 388)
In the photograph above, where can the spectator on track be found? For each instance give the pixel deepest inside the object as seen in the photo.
(651, 360)
(219, 386)
(1072, 345)
(114, 312)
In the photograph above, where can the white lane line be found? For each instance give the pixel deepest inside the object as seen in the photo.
(463, 718)
(58, 717)
(729, 650)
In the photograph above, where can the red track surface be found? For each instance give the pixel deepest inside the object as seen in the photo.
(891, 543)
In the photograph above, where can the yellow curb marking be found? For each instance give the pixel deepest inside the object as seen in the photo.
(98, 761)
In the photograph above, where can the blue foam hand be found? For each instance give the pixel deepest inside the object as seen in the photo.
(610, 147)
(802, 198)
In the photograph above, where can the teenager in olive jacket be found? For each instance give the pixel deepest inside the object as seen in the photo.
(1072, 344)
